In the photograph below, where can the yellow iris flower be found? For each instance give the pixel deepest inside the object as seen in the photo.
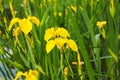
(59, 38)
(25, 25)
(32, 75)
(100, 24)
(53, 33)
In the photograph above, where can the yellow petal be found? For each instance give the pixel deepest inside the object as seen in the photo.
(49, 33)
(62, 32)
(25, 26)
(100, 24)
(32, 75)
(71, 43)
(34, 20)
(50, 45)
(13, 21)
(20, 74)
(33, 72)
(60, 42)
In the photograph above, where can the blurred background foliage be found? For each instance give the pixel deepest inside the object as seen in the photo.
(99, 47)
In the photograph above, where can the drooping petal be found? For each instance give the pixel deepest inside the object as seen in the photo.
(62, 32)
(49, 33)
(13, 21)
(71, 43)
(60, 42)
(34, 20)
(20, 74)
(25, 26)
(50, 45)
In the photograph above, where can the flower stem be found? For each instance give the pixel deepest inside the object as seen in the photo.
(79, 65)
(61, 63)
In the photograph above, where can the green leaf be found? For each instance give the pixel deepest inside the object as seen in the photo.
(113, 55)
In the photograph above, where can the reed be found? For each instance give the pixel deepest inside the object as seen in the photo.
(59, 39)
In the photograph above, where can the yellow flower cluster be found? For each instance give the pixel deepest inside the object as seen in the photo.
(58, 37)
(32, 75)
(25, 25)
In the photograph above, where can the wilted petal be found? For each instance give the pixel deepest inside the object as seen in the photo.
(50, 45)
(25, 26)
(62, 32)
(16, 32)
(71, 43)
(49, 33)
(13, 21)
(34, 20)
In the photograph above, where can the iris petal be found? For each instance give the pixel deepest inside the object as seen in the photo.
(50, 45)
(25, 25)
(13, 21)
(62, 32)
(34, 20)
(49, 33)
(32, 75)
(20, 74)
(71, 43)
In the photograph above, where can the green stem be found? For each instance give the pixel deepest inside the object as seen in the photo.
(61, 63)
(79, 65)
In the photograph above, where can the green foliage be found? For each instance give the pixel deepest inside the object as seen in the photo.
(99, 48)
